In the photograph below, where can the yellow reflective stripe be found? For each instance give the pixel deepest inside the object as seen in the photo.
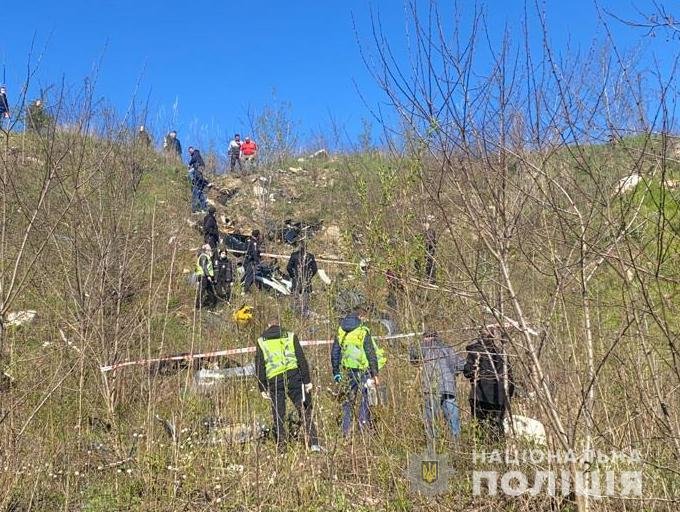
(279, 355)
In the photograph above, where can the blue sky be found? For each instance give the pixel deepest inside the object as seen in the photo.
(218, 60)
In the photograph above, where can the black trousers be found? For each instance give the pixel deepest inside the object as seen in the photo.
(290, 383)
(223, 291)
(249, 275)
(233, 161)
(490, 417)
(206, 294)
(212, 240)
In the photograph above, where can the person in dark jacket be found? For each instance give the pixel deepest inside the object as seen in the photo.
(490, 374)
(251, 260)
(440, 365)
(195, 159)
(211, 232)
(4, 104)
(302, 268)
(196, 164)
(354, 357)
(224, 276)
(282, 369)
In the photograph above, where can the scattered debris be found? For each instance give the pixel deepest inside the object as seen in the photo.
(235, 468)
(271, 276)
(236, 241)
(628, 183)
(525, 427)
(207, 378)
(293, 231)
(322, 153)
(295, 170)
(236, 433)
(18, 318)
(324, 277)
(225, 195)
(364, 263)
(243, 315)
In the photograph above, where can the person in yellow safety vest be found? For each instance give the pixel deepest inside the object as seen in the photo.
(356, 356)
(206, 274)
(281, 369)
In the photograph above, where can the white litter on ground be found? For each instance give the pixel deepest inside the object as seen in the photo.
(17, 318)
(525, 427)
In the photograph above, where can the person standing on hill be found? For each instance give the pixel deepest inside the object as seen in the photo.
(172, 145)
(282, 369)
(205, 271)
(356, 357)
(248, 152)
(440, 365)
(4, 105)
(251, 260)
(195, 159)
(302, 268)
(211, 232)
(143, 137)
(224, 276)
(37, 120)
(235, 153)
(490, 374)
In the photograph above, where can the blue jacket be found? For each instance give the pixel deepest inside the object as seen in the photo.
(349, 323)
(441, 364)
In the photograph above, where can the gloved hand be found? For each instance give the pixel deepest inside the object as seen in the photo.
(265, 395)
(308, 387)
(337, 378)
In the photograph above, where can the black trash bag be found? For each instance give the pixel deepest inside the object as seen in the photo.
(236, 241)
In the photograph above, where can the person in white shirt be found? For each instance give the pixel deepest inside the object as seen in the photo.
(235, 153)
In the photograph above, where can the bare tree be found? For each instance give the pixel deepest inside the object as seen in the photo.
(513, 161)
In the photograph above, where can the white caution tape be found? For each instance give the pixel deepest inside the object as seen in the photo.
(231, 352)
